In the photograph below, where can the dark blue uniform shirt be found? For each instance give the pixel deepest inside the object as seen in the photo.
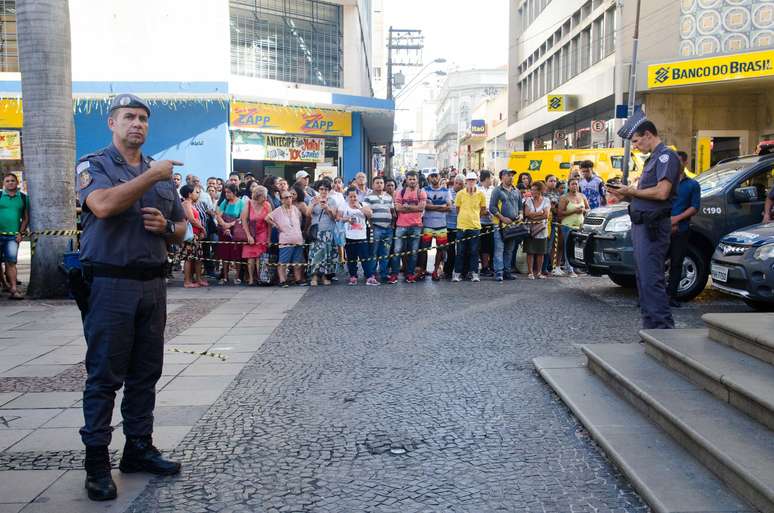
(688, 195)
(663, 164)
(122, 240)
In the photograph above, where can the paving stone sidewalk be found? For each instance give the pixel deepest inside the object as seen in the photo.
(41, 377)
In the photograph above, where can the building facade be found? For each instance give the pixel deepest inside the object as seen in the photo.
(235, 85)
(570, 62)
(459, 95)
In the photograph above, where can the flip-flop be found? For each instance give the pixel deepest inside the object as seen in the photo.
(16, 295)
(203, 283)
(191, 285)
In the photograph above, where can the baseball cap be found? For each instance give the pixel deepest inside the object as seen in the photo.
(433, 172)
(471, 176)
(128, 101)
(509, 171)
(301, 174)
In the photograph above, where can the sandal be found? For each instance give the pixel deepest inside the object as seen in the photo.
(203, 283)
(191, 285)
(237, 281)
(531, 276)
(16, 295)
(223, 281)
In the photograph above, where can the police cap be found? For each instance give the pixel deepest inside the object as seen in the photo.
(128, 101)
(632, 124)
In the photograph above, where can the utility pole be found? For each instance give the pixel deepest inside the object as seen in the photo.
(408, 43)
(632, 92)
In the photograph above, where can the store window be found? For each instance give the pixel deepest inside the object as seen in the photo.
(9, 50)
(296, 41)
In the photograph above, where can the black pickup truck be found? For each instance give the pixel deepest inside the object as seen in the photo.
(733, 194)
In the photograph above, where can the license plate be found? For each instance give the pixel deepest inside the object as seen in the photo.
(719, 273)
(578, 253)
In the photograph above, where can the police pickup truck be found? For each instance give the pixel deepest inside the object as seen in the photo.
(733, 194)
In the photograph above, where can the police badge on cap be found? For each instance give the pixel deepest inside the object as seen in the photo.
(632, 124)
(128, 101)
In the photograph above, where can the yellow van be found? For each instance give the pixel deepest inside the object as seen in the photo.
(539, 164)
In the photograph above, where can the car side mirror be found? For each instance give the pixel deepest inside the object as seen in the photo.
(746, 194)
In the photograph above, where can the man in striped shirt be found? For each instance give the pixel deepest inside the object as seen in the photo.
(383, 209)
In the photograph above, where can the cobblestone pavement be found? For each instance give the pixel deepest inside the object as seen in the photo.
(412, 398)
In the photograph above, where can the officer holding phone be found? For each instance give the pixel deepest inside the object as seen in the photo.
(131, 211)
(650, 211)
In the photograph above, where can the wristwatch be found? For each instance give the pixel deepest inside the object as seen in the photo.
(170, 227)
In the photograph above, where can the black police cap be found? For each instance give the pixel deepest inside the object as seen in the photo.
(128, 101)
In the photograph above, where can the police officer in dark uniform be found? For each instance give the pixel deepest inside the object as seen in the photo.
(650, 211)
(130, 214)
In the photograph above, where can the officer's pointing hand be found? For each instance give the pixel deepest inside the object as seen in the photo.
(153, 220)
(164, 169)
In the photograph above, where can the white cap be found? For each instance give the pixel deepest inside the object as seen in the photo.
(301, 174)
(471, 176)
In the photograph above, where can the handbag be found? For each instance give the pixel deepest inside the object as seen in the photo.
(515, 231)
(237, 232)
(313, 230)
(189, 234)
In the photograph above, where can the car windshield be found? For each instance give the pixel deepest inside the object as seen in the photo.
(720, 176)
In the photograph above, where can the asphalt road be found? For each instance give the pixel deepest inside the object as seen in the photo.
(413, 398)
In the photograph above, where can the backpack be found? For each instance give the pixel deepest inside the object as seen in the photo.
(23, 197)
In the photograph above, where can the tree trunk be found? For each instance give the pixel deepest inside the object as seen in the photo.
(43, 28)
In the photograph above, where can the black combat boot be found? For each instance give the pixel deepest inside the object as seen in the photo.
(99, 482)
(141, 456)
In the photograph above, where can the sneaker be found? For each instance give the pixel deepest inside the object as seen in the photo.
(498, 277)
(572, 274)
(352, 280)
(436, 276)
(284, 284)
(557, 272)
(509, 277)
(456, 277)
(487, 272)
(393, 279)
(474, 277)
(411, 278)
(372, 281)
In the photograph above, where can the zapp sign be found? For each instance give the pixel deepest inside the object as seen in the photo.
(713, 69)
(264, 117)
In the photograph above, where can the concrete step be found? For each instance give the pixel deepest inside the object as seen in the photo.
(736, 448)
(665, 475)
(751, 333)
(730, 375)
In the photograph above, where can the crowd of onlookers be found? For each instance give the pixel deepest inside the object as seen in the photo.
(269, 231)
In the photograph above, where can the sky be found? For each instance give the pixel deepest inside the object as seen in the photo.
(468, 34)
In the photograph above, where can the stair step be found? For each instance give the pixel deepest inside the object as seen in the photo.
(730, 375)
(665, 475)
(751, 333)
(739, 450)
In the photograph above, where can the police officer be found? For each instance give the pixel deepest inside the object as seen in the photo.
(650, 211)
(130, 213)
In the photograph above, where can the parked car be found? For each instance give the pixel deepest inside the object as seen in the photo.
(743, 266)
(733, 194)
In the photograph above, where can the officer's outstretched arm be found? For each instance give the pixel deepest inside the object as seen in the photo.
(112, 201)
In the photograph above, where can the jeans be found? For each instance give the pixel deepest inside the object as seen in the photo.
(406, 239)
(469, 244)
(448, 265)
(503, 253)
(358, 250)
(679, 244)
(382, 240)
(565, 233)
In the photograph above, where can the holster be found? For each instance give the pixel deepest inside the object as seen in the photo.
(80, 289)
(651, 219)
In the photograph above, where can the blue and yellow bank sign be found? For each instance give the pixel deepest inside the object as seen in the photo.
(712, 69)
(278, 119)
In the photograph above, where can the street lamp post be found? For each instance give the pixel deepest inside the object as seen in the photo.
(632, 92)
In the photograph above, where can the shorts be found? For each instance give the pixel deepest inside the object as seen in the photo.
(9, 249)
(486, 243)
(440, 235)
(291, 255)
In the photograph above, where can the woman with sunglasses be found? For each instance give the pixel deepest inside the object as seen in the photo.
(287, 220)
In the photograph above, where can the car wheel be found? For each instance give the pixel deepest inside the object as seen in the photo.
(694, 276)
(760, 306)
(626, 281)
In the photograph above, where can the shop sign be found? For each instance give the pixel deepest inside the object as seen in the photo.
(713, 69)
(561, 102)
(10, 145)
(284, 148)
(264, 117)
(478, 127)
(11, 113)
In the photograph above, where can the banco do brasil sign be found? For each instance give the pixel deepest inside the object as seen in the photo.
(713, 69)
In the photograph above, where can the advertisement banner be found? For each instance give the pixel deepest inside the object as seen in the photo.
(11, 113)
(283, 148)
(477, 127)
(10, 145)
(713, 69)
(264, 117)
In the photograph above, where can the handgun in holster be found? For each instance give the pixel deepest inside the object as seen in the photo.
(80, 289)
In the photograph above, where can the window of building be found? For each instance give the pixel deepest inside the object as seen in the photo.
(585, 49)
(297, 41)
(9, 50)
(609, 31)
(598, 39)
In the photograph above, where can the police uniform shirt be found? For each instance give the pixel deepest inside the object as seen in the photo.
(663, 164)
(122, 240)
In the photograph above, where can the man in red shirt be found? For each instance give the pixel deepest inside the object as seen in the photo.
(410, 205)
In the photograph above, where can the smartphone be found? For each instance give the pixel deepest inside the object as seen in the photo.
(614, 186)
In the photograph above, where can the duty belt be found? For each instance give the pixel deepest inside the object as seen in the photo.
(91, 270)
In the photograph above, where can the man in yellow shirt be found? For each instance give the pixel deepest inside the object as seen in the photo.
(471, 205)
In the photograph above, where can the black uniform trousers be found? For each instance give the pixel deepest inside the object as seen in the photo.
(649, 258)
(124, 330)
(677, 249)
